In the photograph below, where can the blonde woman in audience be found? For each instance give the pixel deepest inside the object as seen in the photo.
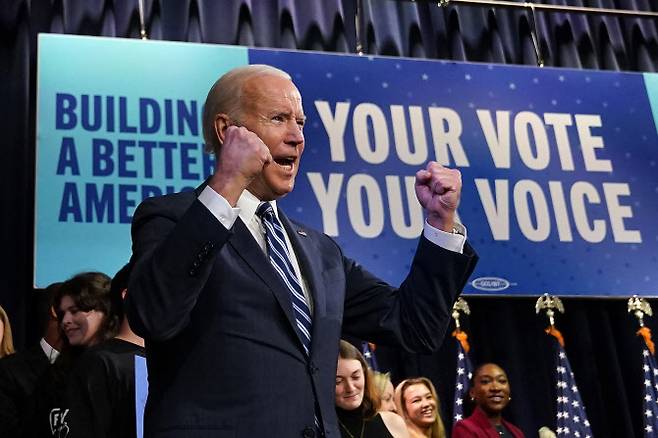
(419, 406)
(357, 400)
(6, 340)
(385, 389)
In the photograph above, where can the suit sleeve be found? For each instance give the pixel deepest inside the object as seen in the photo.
(175, 240)
(416, 315)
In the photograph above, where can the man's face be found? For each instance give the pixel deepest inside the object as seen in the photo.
(272, 109)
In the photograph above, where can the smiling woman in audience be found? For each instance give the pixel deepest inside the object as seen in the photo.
(357, 400)
(419, 406)
(87, 316)
(490, 390)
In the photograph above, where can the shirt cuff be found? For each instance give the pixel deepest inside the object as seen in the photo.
(451, 241)
(219, 207)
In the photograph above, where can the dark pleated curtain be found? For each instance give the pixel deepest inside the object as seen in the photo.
(600, 339)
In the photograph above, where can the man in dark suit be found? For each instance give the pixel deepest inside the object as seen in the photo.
(21, 372)
(242, 309)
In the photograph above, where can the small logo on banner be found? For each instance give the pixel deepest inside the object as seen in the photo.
(490, 284)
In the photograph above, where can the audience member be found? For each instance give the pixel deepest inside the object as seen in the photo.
(490, 390)
(419, 406)
(20, 372)
(384, 386)
(357, 400)
(101, 390)
(6, 339)
(84, 311)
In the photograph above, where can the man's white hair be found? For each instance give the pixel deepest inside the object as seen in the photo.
(225, 97)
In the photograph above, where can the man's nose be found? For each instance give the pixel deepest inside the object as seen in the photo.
(295, 134)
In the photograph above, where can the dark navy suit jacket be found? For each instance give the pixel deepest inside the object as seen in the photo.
(223, 357)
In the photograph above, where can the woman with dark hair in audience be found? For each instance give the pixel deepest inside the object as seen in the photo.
(419, 406)
(86, 316)
(6, 339)
(490, 390)
(357, 400)
(101, 390)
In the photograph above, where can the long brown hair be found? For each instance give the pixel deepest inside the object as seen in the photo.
(438, 430)
(7, 344)
(371, 399)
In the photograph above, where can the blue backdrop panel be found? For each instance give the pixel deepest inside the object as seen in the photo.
(117, 120)
(558, 165)
(570, 211)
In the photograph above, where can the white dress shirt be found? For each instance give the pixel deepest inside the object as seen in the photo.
(49, 351)
(246, 210)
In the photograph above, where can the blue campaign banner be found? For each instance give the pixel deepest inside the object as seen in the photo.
(118, 120)
(558, 166)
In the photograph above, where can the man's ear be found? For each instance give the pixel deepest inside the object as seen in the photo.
(222, 122)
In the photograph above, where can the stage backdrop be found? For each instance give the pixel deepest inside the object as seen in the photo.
(559, 167)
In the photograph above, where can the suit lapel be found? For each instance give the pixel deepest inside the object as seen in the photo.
(247, 248)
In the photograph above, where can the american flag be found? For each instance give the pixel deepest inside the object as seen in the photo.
(368, 351)
(464, 373)
(650, 394)
(571, 417)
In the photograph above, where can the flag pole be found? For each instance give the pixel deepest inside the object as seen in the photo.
(640, 307)
(571, 416)
(460, 306)
(464, 368)
(550, 304)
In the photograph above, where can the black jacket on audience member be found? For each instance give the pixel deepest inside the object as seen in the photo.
(101, 391)
(19, 374)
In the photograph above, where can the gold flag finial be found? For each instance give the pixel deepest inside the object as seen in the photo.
(639, 307)
(460, 306)
(549, 303)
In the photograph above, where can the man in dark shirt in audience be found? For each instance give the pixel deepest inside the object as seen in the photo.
(20, 372)
(101, 391)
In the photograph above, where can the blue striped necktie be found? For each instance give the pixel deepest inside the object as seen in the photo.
(281, 262)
